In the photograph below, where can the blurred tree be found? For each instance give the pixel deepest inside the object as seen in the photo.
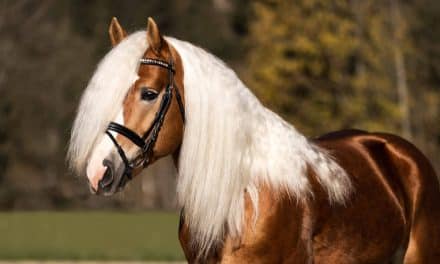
(328, 65)
(424, 75)
(398, 27)
(41, 60)
(216, 24)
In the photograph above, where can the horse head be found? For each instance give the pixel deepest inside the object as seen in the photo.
(150, 124)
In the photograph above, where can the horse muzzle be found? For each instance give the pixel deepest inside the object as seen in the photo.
(113, 179)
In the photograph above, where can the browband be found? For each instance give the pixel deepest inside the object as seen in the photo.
(160, 63)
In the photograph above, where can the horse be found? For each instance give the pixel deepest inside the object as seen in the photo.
(251, 188)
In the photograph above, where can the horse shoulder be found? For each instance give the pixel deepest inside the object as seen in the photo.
(281, 233)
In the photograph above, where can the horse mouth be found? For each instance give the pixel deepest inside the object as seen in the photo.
(110, 183)
(110, 189)
(115, 187)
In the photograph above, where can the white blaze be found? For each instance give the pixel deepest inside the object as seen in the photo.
(95, 168)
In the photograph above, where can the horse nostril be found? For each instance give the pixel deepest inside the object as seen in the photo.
(108, 175)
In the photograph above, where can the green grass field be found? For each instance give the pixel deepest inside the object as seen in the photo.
(89, 236)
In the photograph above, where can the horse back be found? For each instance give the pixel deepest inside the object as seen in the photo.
(393, 184)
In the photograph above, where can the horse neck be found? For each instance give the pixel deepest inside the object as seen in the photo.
(232, 143)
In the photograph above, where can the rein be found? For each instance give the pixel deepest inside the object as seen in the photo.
(147, 141)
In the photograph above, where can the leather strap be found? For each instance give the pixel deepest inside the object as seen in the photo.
(180, 103)
(128, 133)
(121, 152)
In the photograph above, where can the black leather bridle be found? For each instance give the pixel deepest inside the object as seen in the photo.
(147, 141)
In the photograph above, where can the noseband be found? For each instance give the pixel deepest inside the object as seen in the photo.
(147, 141)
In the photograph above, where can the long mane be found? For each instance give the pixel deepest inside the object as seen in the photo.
(231, 142)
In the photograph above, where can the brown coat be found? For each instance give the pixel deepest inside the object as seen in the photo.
(394, 209)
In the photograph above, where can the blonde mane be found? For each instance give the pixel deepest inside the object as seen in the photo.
(231, 142)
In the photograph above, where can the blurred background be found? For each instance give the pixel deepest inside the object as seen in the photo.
(322, 65)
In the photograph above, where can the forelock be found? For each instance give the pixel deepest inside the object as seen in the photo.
(103, 97)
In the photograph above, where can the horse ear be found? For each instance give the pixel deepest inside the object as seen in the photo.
(116, 32)
(153, 35)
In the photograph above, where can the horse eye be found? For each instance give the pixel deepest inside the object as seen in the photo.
(148, 94)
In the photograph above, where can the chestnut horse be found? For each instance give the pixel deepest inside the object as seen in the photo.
(251, 188)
